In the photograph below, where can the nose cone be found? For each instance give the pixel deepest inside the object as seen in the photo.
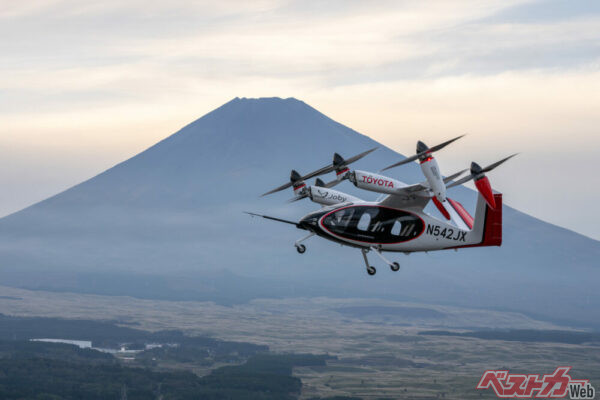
(338, 160)
(421, 147)
(295, 176)
(476, 170)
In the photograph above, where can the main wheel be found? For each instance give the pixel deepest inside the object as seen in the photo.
(301, 249)
(371, 270)
(395, 266)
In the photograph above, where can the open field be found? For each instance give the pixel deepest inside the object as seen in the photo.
(379, 351)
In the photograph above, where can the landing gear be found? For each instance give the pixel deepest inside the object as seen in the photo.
(370, 269)
(394, 266)
(300, 248)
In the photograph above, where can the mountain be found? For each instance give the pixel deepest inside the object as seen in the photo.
(168, 223)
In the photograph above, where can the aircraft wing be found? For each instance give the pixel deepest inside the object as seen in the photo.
(415, 196)
(405, 201)
(412, 189)
(423, 186)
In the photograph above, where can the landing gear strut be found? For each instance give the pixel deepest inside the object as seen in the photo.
(300, 248)
(394, 266)
(370, 269)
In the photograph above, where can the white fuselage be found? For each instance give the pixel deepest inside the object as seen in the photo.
(369, 224)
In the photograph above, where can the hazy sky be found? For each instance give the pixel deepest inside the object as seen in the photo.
(84, 85)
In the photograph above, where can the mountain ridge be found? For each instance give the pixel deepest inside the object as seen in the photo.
(175, 210)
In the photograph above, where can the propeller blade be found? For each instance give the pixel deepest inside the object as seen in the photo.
(494, 165)
(359, 156)
(332, 167)
(320, 171)
(326, 169)
(331, 184)
(460, 181)
(277, 189)
(456, 175)
(319, 183)
(446, 143)
(422, 153)
(483, 170)
(293, 199)
(405, 161)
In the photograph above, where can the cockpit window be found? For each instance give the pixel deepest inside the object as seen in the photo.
(374, 224)
(340, 219)
(363, 222)
(396, 228)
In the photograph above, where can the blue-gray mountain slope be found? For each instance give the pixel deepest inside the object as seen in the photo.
(171, 219)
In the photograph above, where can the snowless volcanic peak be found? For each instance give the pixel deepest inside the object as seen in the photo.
(170, 220)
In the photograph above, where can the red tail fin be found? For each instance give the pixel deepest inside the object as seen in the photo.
(492, 234)
(492, 225)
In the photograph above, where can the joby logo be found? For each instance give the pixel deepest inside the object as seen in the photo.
(333, 196)
(377, 181)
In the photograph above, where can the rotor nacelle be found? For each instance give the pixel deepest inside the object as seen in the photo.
(431, 170)
(297, 183)
(375, 182)
(328, 197)
(482, 183)
(340, 165)
(429, 166)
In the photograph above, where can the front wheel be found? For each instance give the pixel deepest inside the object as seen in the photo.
(371, 270)
(395, 266)
(301, 249)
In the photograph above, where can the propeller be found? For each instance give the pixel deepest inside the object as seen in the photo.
(339, 165)
(482, 183)
(422, 152)
(476, 170)
(295, 180)
(319, 182)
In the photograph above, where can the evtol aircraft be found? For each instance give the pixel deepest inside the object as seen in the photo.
(397, 222)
